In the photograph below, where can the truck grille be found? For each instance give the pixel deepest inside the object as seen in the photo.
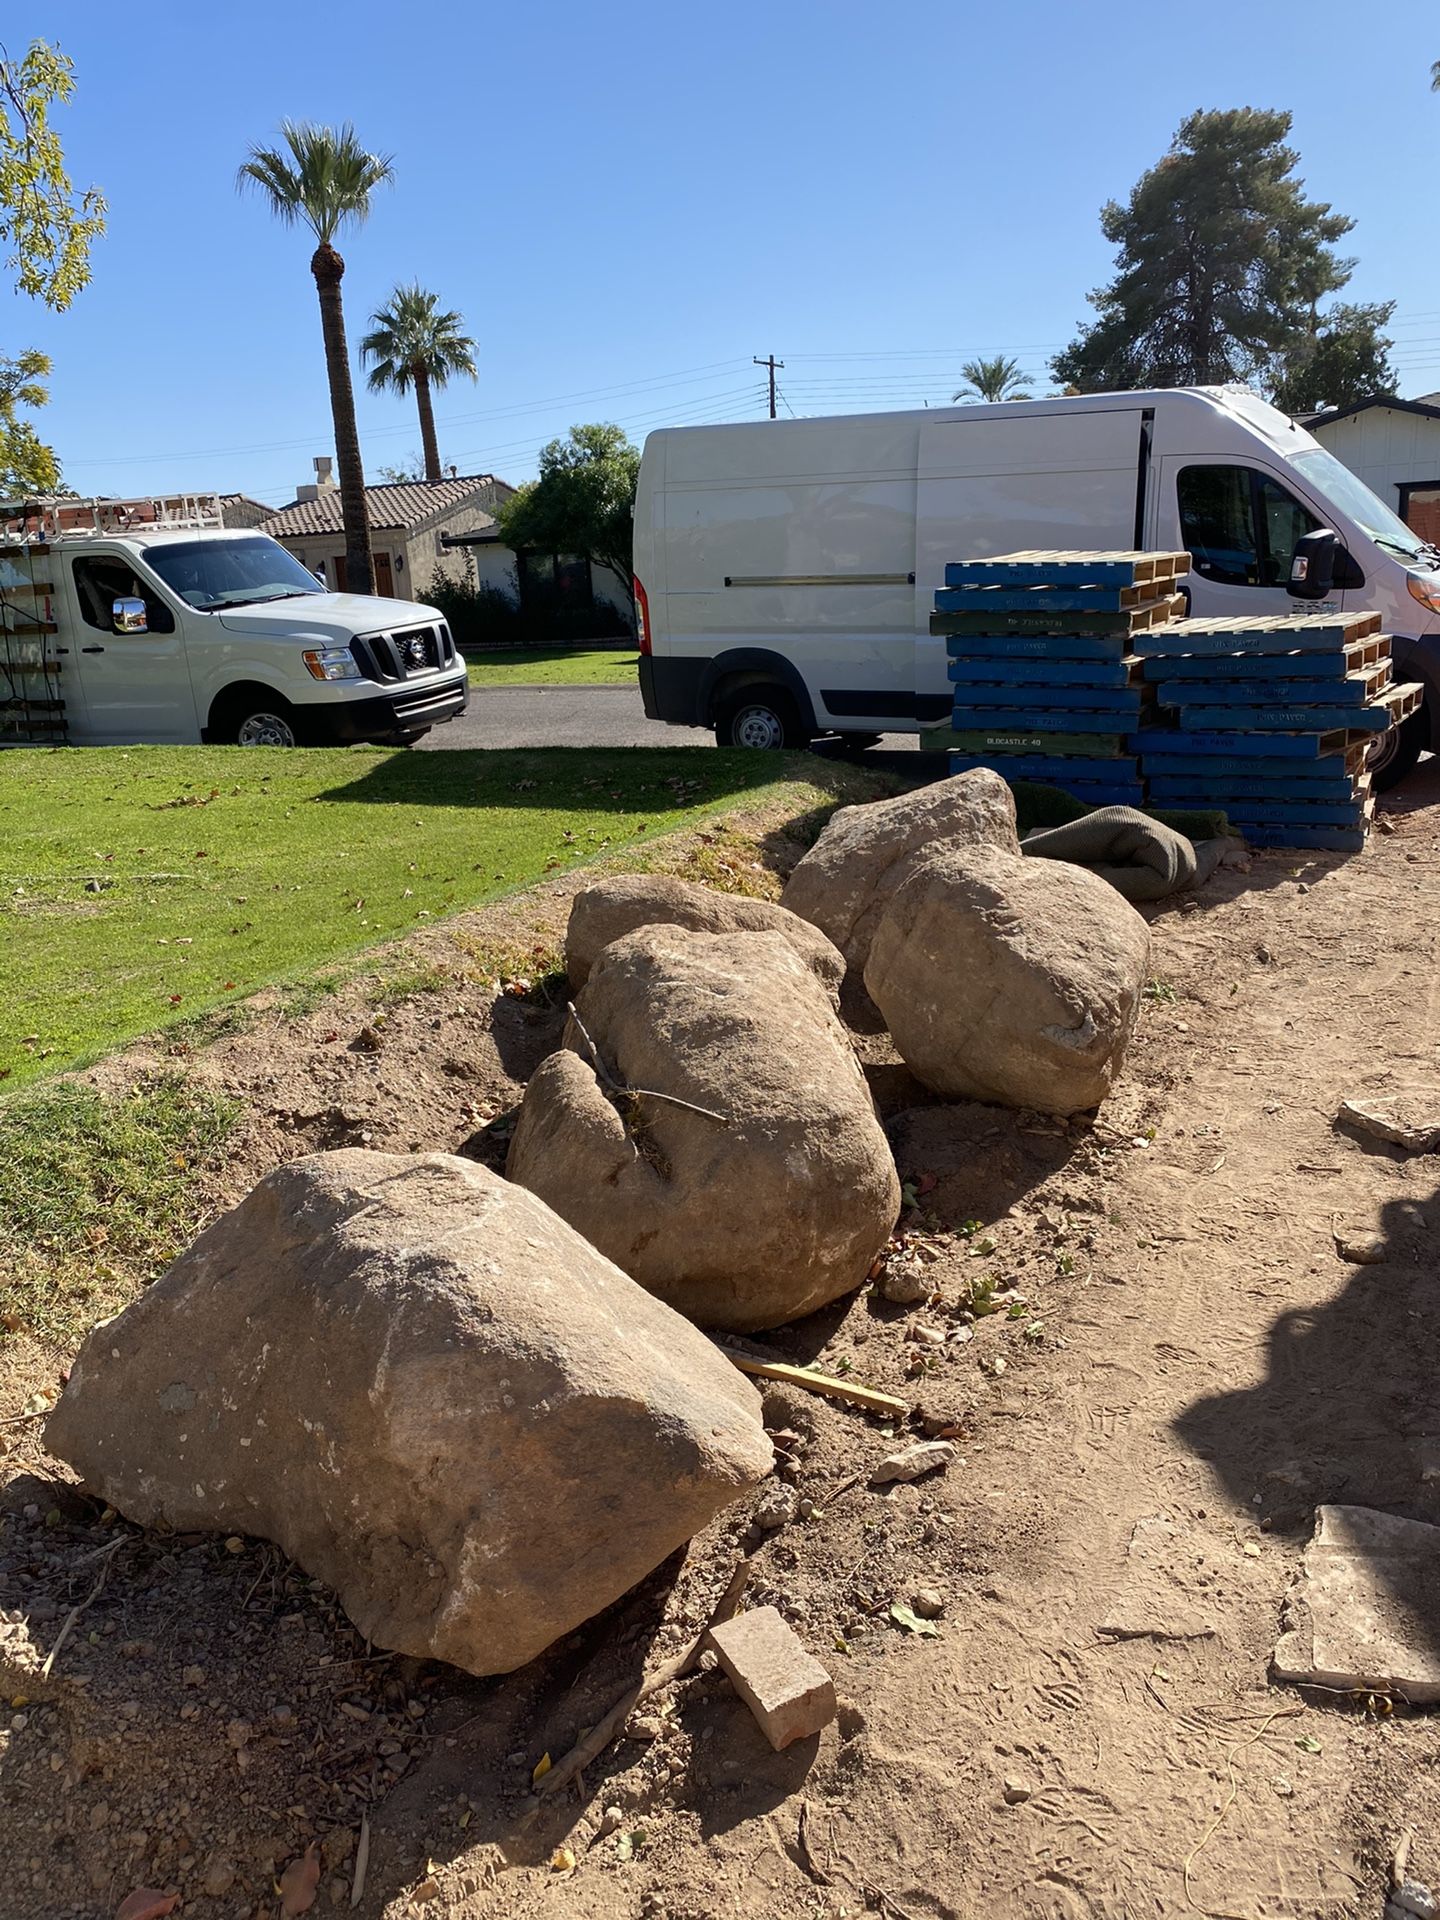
(404, 653)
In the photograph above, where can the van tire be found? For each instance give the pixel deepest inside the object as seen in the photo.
(1399, 749)
(760, 715)
(254, 717)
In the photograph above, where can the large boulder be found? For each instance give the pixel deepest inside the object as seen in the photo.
(426, 1388)
(762, 1187)
(618, 906)
(848, 878)
(1011, 980)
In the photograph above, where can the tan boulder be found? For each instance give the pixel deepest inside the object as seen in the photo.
(426, 1388)
(846, 881)
(1011, 980)
(618, 906)
(763, 1186)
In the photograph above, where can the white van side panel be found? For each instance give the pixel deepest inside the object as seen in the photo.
(989, 486)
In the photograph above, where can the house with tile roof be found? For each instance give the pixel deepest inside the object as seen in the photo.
(414, 525)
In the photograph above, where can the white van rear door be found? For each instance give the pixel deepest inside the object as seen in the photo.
(993, 485)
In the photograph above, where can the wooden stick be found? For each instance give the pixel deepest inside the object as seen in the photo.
(106, 1556)
(605, 1730)
(824, 1383)
(635, 1093)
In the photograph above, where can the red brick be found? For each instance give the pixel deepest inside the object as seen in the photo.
(788, 1691)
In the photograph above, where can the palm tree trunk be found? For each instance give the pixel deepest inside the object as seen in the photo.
(328, 268)
(427, 424)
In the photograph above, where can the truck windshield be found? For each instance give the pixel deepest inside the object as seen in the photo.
(1350, 493)
(230, 573)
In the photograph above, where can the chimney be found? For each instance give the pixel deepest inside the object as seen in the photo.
(324, 481)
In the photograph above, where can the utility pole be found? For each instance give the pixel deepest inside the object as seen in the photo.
(772, 363)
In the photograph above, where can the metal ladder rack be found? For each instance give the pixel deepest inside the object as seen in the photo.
(32, 706)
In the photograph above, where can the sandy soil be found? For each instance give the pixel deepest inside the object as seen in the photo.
(1180, 1368)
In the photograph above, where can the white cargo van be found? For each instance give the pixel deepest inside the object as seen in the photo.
(146, 621)
(785, 570)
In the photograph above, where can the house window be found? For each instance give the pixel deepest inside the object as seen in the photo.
(560, 580)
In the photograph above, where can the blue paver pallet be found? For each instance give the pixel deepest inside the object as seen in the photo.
(1023, 720)
(1181, 788)
(1170, 741)
(1045, 673)
(1245, 813)
(1298, 633)
(1249, 693)
(1267, 720)
(1038, 646)
(1121, 705)
(1048, 767)
(1038, 599)
(1332, 839)
(1068, 570)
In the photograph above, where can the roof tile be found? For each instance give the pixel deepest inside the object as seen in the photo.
(405, 503)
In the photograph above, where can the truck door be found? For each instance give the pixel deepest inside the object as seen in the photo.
(1070, 479)
(136, 685)
(1239, 523)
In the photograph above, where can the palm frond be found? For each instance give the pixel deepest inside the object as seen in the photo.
(410, 335)
(324, 180)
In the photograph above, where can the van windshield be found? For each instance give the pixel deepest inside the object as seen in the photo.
(1350, 493)
(230, 573)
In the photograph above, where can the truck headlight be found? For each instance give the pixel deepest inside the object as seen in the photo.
(331, 663)
(1426, 589)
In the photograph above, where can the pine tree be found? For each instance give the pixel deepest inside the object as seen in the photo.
(1222, 263)
(1345, 359)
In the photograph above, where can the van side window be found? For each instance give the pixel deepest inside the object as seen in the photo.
(1217, 523)
(101, 581)
(1240, 525)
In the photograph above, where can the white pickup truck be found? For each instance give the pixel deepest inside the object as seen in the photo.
(170, 628)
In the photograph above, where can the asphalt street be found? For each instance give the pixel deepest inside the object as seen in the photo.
(574, 717)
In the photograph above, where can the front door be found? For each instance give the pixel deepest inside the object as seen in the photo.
(136, 686)
(384, 579)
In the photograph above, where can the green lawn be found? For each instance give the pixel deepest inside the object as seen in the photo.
(553, 667)
(142, 886)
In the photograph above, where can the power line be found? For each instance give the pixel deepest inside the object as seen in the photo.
(772, 363)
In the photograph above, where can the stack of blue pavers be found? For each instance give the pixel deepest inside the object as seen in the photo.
(1043, 657)
(1271, 719)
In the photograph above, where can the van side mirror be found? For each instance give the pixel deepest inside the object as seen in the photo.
(1312, 566)
(128, 616)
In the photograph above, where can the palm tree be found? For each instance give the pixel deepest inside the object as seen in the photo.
(1435, 77)
(324, 181)
(997, 379)
(415, 345)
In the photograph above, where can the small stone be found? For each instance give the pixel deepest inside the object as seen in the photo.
(1362, 1249)
(193, 1677)
(1411, 1897)
(611, 1819)
(924, 1457)
(99, 1814)
(928, 1602)
(644, 1726)
(904, 1285)
(218, 1878)
(1016, 1791)
(777, 1506)
(237, 1732)
(1284, 1786)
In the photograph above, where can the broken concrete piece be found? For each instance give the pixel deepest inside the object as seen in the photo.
(924, 1457)
(786, 1688)
(1365, 1611)
(1416, 1136)
(427, 1389)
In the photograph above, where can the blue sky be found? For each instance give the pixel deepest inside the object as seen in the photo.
(627, 201)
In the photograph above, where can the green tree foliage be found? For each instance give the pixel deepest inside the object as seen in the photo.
(323, 179)
(27, 465)
(47, 230)
(1344, 360)
(1222, 262)
(414, 344)
(583, 501)
(997, 379)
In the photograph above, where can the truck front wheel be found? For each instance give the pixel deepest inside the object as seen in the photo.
(1398, 750)
(759, 716)
(258, 719)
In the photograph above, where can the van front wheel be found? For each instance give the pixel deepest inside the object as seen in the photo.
(760, 716)
(258, 721)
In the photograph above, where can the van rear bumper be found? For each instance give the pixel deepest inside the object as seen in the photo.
(670, 690)
(407, 711)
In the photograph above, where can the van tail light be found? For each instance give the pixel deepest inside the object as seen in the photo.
(642, 614)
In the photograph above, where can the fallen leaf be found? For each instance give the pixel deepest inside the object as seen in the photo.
(428, 1889)
(1307, 1743)
(907, 1618)
(146, 1904)
(562, 1861)
(541, 1768)
(296, 1885)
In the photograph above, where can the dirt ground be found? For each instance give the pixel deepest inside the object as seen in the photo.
(1175, 1367)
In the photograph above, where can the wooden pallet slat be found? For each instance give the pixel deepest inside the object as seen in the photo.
(1037, 623)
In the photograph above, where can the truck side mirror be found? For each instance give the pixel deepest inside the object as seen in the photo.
(128, 616)
(1312, 566)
